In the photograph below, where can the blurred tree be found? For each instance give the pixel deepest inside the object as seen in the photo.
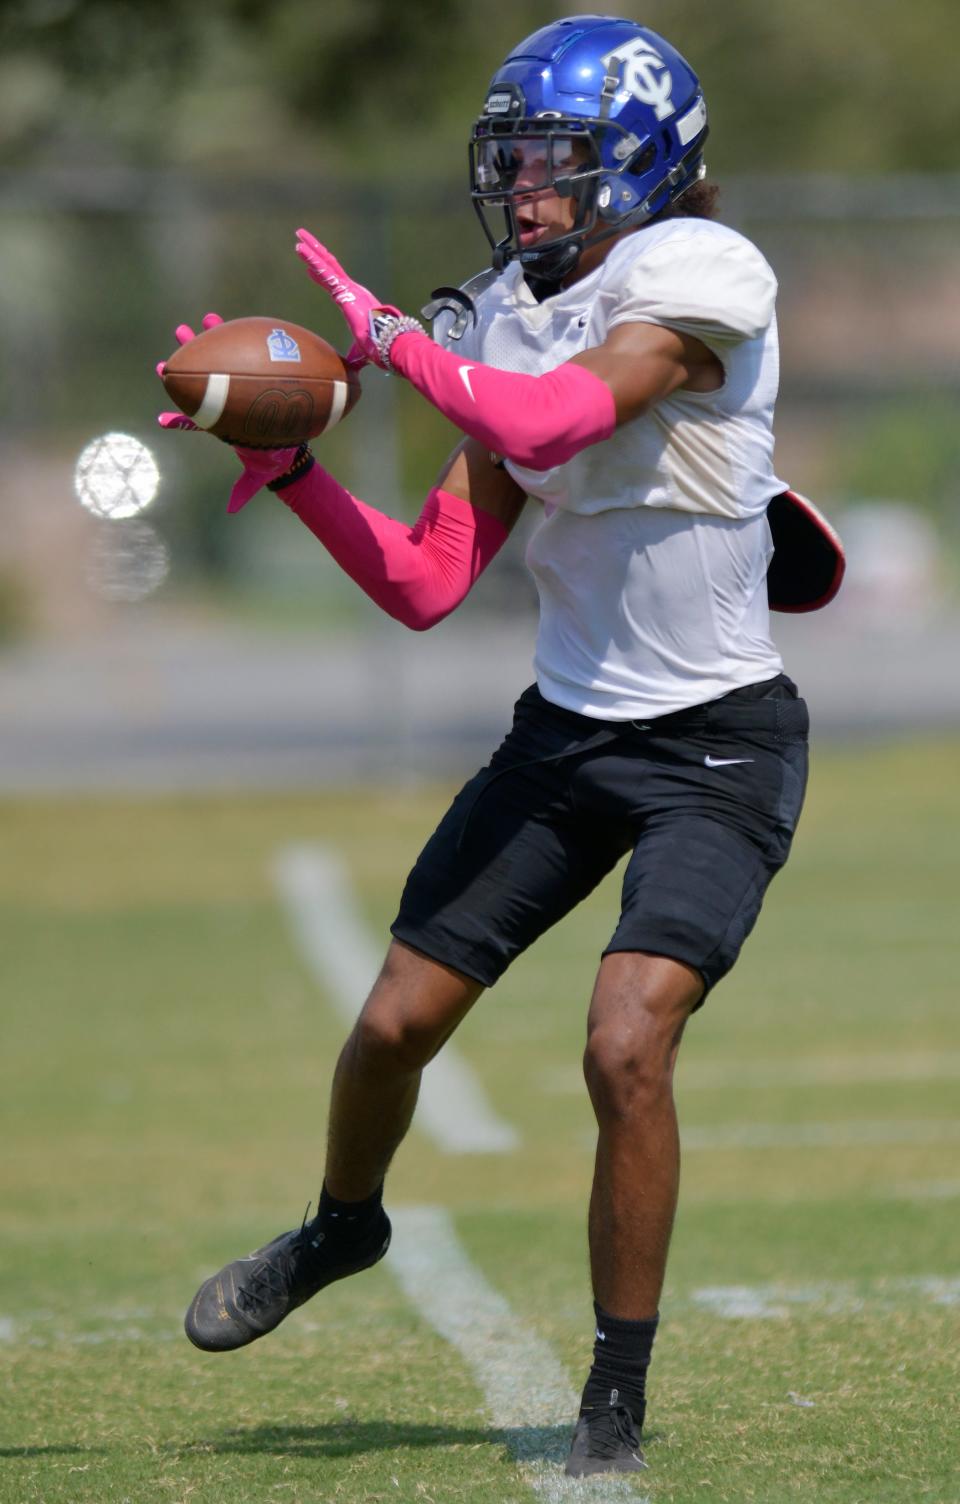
(908, 451)
(864, 86)
(361, 109)
(72, 71)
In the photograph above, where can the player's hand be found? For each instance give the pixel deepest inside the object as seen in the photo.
(183, 334)
(259, 465)
(357, 303)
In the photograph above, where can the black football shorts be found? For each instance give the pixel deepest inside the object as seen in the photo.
(706, 800)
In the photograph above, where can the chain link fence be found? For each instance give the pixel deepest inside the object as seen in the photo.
(138, 629)
(100, 265)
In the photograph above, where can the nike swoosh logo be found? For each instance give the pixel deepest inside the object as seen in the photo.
(465, 378)
(724, 762)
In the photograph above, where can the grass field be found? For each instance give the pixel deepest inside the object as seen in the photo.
(164, 1075)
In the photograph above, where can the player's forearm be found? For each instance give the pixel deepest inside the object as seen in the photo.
(417, 574)
(536, 421)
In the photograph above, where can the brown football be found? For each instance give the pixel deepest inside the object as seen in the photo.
(265, 383)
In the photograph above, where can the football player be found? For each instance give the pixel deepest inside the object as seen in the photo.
(618, 367)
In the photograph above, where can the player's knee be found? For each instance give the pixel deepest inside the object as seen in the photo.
(639, 1009)
(627, 1067)
(628, 1062)
(385, 1042)
(386, 1037)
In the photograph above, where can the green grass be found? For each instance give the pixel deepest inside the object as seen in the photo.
(163, 1090)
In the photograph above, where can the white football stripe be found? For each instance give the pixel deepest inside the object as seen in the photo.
(337, 404)
(214, 400)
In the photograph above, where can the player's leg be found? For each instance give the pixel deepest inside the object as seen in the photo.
(508, 859)
(640, 1005)
(639, 1009)
(717, 804)
(414, 1005)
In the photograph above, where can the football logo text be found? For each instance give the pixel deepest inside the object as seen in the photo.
(644, 73)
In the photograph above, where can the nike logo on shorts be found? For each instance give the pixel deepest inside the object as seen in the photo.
(724, 762)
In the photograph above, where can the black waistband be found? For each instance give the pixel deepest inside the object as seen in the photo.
(773, 705)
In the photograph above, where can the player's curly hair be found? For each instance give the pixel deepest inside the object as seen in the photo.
(699, 202)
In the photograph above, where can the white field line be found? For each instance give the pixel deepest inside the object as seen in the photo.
(453, 1109)
(831, 1298)
(858, 1133)
(852, 1134)
(39, 1329)
(923, 1190)
(527, 1393)
(814, 1070)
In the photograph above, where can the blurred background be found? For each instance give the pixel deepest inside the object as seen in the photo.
(155, 165)
(218, 761)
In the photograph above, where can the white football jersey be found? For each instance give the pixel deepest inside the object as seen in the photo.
(651, 555)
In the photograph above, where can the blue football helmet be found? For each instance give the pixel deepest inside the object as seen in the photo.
(596, 108)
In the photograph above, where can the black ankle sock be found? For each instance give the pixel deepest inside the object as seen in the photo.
(621, 1357)
(350, 1220)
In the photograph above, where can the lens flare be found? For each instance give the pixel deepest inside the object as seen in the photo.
(116, 477)
(126, 564)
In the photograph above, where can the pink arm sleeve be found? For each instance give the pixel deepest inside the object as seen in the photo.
(537, 421)
(416, 574)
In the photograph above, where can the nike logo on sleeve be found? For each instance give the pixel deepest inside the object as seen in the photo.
(465, 378)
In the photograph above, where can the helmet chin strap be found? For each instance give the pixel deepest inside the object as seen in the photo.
(554, 264)
(543, 271)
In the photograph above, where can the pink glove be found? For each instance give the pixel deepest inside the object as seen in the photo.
(357, 304)
(259, 465)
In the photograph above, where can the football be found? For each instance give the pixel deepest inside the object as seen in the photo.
(264, 383)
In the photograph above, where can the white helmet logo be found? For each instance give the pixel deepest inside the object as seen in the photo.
(645, 74)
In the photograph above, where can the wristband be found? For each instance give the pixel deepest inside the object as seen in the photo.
(302, 462)
(384, 329)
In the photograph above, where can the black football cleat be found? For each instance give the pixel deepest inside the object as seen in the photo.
(605, 1441)
(251, 1296)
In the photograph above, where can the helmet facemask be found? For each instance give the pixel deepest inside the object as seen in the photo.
(515, 165)
(601, 166)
